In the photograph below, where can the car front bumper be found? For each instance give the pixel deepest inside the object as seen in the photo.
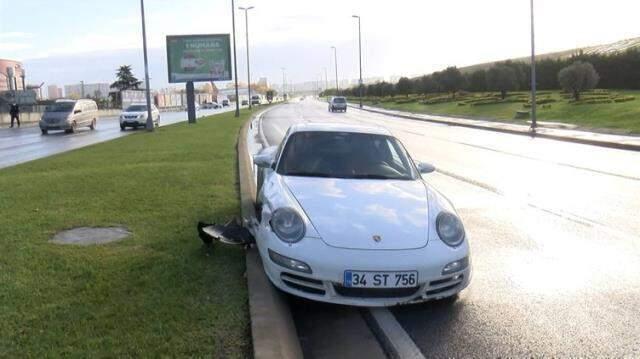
(51, 126)
(328, 265)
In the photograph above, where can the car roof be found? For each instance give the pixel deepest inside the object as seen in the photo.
(338, 127)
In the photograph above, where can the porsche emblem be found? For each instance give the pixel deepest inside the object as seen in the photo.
(377, 238)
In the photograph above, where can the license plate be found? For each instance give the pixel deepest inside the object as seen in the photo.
(365, 279)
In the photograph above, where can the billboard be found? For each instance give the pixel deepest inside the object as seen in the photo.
(199, 58)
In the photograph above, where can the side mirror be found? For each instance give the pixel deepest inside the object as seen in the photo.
(77, 111)
(266, 157)
(424, 167)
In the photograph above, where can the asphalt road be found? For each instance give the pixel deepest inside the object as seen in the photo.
(553, 228)
(18, 145)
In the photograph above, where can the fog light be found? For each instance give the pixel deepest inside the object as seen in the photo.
(289, 263)
(456, 266)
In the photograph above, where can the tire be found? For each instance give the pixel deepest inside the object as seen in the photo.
(44, 132)
(122, 128)
(158, 122)
(92, 126)
(74, 127)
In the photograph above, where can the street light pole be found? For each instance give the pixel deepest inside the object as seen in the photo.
(534, 121)
(235, 61)
(284, 90)
(326, 80)
(360, 55)
(246, 21)
(146, 70)
(335, 60)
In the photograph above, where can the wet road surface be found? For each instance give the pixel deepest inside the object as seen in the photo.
(18, 145)
(554, 234)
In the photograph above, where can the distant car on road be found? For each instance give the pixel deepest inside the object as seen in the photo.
(225, 103)
(244, 103)
(255, 100)
(345, 217)
(338, 103)
(136, 116)
(69, 115)
(210, 105)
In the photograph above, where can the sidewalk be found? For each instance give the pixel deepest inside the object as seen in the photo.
(624, 142)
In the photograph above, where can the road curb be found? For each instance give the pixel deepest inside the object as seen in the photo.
(615, 145)
(273, 331)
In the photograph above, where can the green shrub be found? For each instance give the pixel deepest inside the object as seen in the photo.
(624, 99)
(406, 100)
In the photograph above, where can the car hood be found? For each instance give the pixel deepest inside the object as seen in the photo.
(133, 113)
(365, 214)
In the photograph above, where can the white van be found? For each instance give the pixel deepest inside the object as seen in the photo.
(69, 115)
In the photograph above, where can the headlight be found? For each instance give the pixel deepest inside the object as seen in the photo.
(450, 229)
(287, 225)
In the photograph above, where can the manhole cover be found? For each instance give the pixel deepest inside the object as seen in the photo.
(85, 236)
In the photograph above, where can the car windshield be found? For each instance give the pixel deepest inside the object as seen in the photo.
(339, 100)
(136, 108)
(60, 107)
(345, 155)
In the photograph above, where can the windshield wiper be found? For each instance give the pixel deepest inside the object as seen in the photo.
(372, 176)
(309, 174)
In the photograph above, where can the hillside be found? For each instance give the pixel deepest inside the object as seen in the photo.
(611, 48)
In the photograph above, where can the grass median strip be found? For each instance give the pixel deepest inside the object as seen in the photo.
(154, 294)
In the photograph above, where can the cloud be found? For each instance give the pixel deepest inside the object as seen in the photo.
(16, 35)
(14, 46)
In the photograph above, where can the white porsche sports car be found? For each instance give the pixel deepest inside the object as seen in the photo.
(345, 217)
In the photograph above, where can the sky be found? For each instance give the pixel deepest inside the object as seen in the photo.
(65, 41)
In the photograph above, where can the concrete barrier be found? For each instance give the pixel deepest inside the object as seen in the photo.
(273, 332)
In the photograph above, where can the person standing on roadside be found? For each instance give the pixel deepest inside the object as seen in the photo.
(14, 111)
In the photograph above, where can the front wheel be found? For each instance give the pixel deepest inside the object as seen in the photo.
(44, 132)
(122, 128)
(92, 126)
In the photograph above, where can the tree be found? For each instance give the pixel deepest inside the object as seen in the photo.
(125, 79)
(477, 81)
(403, 87)
(428, 85)
(578, 77)
(451, 80)
(502, 78)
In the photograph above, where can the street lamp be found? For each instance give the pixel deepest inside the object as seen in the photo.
(246, 21)
(360, 56)
(284, 90)
(534, 121)
(146, 70)
(235, 61)
(335, 59)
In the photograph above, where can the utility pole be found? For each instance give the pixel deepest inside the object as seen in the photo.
(246, 21)
(326, 80)
(360, 56)
(335, 60)
(235, 62)
(534, 120)
(284, 89)
(146, 69)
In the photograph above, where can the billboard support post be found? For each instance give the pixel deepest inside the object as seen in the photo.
(191, 100)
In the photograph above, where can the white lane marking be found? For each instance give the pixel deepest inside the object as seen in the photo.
(394, 336)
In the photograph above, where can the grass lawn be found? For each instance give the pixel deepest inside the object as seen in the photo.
(155, 294)
(623, 117)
